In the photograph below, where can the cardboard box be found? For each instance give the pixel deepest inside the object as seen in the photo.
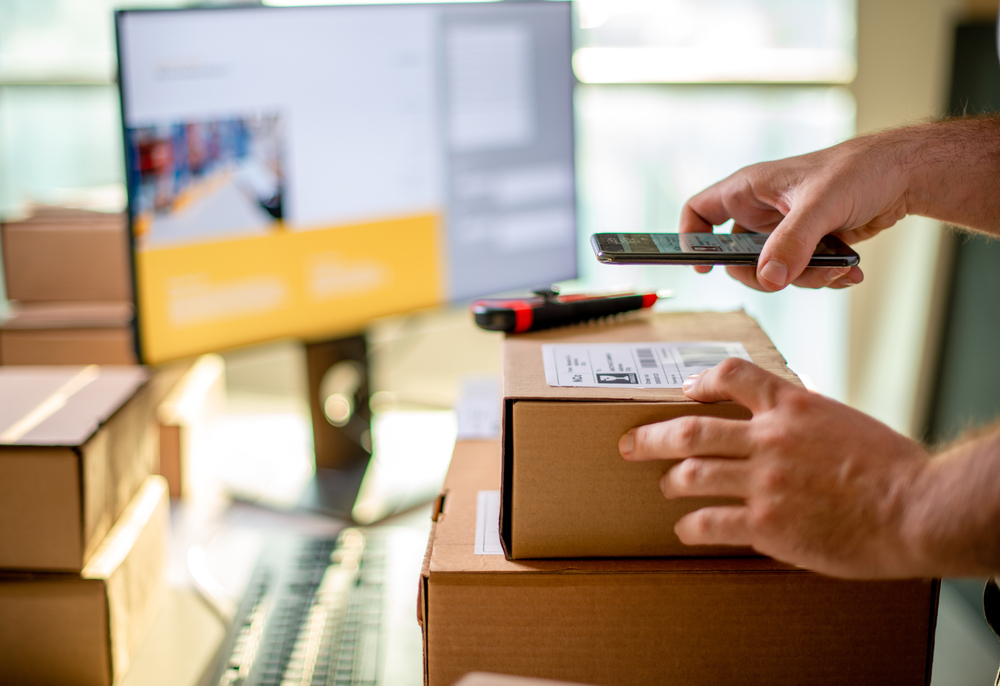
(76, 443)
(86, 628)
(196, 396)
(679, 621)
(69, 255)
(68, 333)
(566, 490)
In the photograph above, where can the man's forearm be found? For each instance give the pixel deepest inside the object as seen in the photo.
(953, 170)
(954, 517)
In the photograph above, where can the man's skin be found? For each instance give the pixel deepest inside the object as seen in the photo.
(824, 486)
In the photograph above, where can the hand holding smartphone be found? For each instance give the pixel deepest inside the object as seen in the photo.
(706, 249)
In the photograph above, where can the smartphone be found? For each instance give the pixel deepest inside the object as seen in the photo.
(706, 248)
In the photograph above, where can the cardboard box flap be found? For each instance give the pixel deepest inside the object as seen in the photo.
(476, 467)
(524, 370)
(61, 406)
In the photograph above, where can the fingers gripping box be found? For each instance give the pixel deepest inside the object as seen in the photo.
(566, 491)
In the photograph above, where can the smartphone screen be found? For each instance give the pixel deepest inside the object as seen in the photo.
(706, 248)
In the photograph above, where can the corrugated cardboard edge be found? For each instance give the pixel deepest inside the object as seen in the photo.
(130, 561)
(425, 573)
(506, 476)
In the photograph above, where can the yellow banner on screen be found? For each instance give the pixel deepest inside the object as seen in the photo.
(301, 284)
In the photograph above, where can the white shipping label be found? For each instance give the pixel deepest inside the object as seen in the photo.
(634, 365)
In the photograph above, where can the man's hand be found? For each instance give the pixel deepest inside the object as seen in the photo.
(946, 170)
(824, 486)
(853, 189)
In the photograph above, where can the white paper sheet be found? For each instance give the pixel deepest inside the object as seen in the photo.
(477, 409)
(488, 523)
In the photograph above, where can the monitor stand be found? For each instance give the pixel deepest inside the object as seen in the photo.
(341, 419)
(349, 484)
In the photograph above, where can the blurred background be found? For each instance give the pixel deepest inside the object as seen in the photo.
(673, 95)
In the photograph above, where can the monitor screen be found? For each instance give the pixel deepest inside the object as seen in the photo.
(298, 171)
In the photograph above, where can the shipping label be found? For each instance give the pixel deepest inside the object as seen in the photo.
(634, 365)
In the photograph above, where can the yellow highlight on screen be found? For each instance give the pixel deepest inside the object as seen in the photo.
(301, 284)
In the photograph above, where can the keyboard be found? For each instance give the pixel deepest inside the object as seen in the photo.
(312, 615)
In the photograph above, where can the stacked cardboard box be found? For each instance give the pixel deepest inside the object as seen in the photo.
(596, 589)
(83, 522)
(68, 274)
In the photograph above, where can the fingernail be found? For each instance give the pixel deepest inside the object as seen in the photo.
(689, 382)
(834, 274)
(848, 281)
(626, 443)
(774, 272)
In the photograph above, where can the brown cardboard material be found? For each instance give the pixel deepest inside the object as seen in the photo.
(68, 333)
(69, 255)
(484, 679)
(196, 396)
(76, 443)
(640, 621)
(566, 490)
(86, 628)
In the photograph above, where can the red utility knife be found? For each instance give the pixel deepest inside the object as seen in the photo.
(547, 309)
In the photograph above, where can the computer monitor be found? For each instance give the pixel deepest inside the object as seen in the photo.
(295, 172)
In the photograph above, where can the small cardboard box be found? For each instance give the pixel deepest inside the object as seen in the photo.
(678, 621)
(86, 628)
(68, 255)
(76, 443)
(68, 333)
(567, 492)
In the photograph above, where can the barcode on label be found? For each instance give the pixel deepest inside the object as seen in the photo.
(702, 355)
(646, 358)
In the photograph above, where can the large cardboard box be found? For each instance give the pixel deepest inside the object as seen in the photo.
(76, 443)
(68, 333)
(86, 628)
(67, 255)
(635, 622)
(566, 490)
